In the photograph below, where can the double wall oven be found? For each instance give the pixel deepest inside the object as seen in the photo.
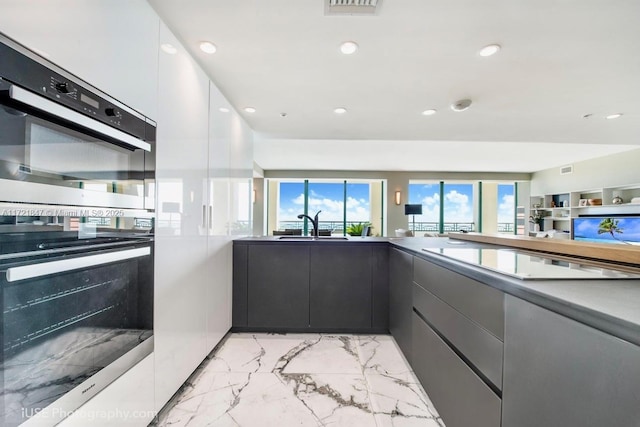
(76, 238)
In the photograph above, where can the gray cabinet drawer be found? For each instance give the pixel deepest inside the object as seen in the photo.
(459, 395)
(480, 348)
(481, 303)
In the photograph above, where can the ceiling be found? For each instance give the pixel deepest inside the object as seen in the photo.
(559, 61)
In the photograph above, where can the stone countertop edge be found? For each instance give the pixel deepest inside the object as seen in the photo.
(612, 306)
(321, 240)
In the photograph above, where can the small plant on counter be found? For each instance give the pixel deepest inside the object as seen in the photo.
(356, 229)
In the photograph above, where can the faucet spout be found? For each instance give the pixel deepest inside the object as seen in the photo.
(314, 223)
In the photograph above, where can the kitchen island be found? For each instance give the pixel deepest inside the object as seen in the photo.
(490, 347)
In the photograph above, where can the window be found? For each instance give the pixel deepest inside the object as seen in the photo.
(342, 204)
(291, 203)
(328, 197)
(479, 206)
(358, 206)
(428, 195)
(458, 207)
(506, 208)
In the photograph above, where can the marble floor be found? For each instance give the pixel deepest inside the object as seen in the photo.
(302, 380)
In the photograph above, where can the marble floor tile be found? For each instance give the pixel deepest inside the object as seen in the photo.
(380, 355)
(326, 355)
(302, 380)
(256, 352)
(400, 399)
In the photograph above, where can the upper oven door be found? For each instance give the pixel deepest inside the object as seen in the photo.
(52, 154)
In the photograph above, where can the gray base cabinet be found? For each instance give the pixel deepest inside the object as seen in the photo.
(561, 373)
(457, 347)
(316, 286)
(400, 299)
(278, 286)
(340, 285)
(461, 398)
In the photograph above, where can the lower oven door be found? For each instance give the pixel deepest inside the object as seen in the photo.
(71, 324)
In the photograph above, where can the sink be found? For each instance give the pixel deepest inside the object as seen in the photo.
(312, 238)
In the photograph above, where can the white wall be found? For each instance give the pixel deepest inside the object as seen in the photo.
(609, 171)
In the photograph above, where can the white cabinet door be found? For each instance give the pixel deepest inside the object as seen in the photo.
(219, 245)
(181, 271)
(241, 172)
(110, 44)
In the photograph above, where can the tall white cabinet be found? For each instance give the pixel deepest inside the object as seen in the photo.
(204, 164)
(181, 242)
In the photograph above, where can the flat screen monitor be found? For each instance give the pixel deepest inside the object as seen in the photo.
(413, 209)
(607, 229)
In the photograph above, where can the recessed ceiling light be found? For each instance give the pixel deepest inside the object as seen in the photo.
(169, 48)
(208, 47)
(348, 48)
(430, 112)
(489, 50)
(249, 109)
(613, 116)
(340, 110)
(223, 109)
(461, 105)
(283, 114)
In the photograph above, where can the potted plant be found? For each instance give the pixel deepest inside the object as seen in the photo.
(536, 218)
(356, 229)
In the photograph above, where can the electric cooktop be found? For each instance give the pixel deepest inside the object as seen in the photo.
(530, 266)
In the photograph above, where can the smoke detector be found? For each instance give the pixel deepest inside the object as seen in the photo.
(352, 7)
(461, 105)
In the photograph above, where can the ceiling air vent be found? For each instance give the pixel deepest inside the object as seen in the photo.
(564, 170)
(351, 7)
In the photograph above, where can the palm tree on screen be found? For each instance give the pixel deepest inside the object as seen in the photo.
(610, 225)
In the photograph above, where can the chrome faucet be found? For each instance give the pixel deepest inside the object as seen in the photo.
(314, 223)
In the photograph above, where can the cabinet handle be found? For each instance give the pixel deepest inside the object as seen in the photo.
(204, 216)
(33, 271)
(210, 217)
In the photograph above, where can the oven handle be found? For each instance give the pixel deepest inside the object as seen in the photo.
(18, 94)
(44, 268)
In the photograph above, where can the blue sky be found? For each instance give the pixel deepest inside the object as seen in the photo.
(587, 228)
(327, 197)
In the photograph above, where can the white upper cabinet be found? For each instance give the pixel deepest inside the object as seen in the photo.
(113, 45)
(181, 273)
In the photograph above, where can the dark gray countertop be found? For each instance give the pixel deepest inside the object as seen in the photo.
(305, 239)
(611, 305)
